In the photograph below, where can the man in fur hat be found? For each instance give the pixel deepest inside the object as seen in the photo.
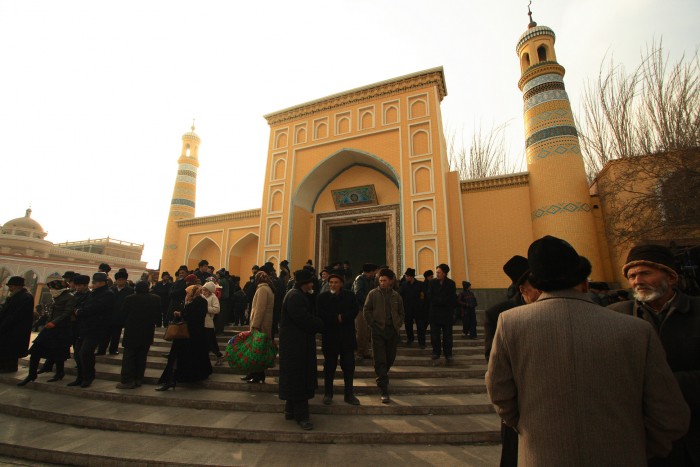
(581, 385)
(651, 272)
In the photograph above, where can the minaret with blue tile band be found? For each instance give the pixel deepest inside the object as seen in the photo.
(559, 191)
(182, 203)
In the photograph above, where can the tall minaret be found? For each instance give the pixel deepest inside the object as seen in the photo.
(559, 192)
(182, 203)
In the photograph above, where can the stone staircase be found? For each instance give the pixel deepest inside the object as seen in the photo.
(439, 415)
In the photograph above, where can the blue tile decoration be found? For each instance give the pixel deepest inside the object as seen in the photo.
(355, 196)
(183, 202)
(547, 96)
(542, 79)
(562, 208)
(551, 132)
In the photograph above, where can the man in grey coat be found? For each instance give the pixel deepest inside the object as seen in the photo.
(581, 385)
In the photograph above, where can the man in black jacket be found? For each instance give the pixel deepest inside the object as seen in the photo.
(16, 319)
(177, 293)
(337, 308)
(162, 289)
(93, 326)
(443, 301)
(141, 315)
(121, 290)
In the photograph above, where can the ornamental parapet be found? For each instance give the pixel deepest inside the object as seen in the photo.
(231, 216)
(433, 76)
(495, 183)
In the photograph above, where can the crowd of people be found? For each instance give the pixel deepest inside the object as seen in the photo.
(574, 382)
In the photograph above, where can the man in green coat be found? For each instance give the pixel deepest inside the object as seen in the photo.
(384, 314)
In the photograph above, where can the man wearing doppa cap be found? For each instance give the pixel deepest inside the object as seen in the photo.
(675, 316)
(581, 385)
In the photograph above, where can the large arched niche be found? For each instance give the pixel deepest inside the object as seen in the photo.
(207, 249)
(243, 256)
(307, 193)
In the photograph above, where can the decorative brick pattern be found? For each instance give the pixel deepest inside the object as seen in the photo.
(562, 208)
(547, 96)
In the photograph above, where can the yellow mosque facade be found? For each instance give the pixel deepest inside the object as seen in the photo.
(363, 175)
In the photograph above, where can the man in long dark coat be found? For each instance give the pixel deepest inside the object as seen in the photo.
(410, 291)
(516, 269)
(141, 315)
(337, 308)
(121, 290)
(93, 326)
(298, 377)
(16, 320)
(442, 295)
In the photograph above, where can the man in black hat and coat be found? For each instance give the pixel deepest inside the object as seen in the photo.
(583, 386)
(467, 304)
(410, 291)
(162, 289)
(121, 290)
(93, 326)
(442, 296)
(675, 316)
(337, 308)
(517, 270)
(141, 312)
(298, 378)
(16, 318)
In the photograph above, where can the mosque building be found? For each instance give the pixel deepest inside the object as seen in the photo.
(363, 175)
(25, 252)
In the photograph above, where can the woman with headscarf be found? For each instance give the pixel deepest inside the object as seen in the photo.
(261, 315)
(189, 358)
(54, 341)
(213, 309)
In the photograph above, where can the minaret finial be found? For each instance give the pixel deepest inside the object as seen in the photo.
(529, 13)
(193, 125)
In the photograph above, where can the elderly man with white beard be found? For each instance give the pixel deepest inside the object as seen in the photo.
(651, 272)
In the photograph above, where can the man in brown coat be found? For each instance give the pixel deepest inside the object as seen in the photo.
(581, 385)
(675, 316)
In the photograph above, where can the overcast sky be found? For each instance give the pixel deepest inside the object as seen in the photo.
(95, 95)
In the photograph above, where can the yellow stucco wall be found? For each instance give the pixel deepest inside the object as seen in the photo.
(498, 226)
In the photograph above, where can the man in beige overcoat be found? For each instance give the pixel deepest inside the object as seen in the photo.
(581, 384)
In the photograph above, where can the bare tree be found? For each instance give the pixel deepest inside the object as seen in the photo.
(487, 155)
(654, 109)
(651, 198)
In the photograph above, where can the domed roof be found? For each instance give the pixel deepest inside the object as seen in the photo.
(25, 225)
(531, 32)
(191, 134)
